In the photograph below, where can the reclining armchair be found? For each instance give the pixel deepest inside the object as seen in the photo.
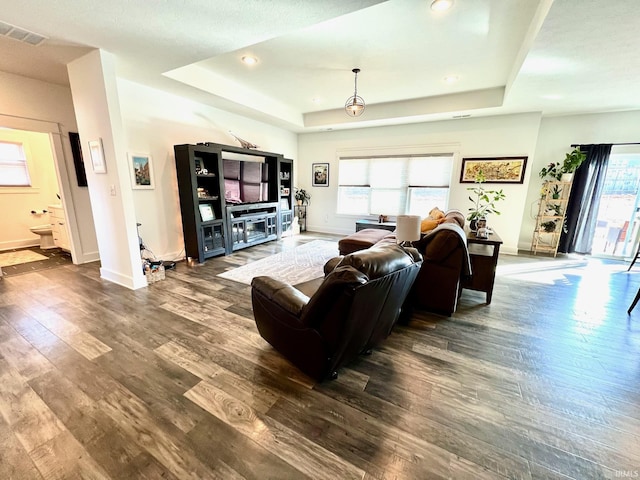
(353, 310)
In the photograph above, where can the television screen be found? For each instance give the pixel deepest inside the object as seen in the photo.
(245, 181)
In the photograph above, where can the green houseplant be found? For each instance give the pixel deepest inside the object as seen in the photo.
(569, 165)
(301, 196)
(483, 201)
(549, 226)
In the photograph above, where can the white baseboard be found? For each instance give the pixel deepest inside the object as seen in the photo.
(24, 243)
(123, 280)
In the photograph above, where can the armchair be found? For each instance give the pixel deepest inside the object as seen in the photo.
(353, 310)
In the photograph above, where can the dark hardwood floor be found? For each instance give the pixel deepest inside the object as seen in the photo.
(173, 381)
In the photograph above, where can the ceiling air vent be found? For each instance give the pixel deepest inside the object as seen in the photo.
(21, 34)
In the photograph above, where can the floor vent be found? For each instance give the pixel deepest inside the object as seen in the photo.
(20, 34)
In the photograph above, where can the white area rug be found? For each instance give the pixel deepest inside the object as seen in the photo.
(21, 256)
(293, 266)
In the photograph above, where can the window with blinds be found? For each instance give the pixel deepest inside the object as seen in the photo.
(13, 166)
(393, 185)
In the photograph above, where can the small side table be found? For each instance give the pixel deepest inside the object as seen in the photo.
(300, 211)
(483, 267)
(364, 223)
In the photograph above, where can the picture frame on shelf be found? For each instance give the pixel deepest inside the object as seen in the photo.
(284, 204)
(495, 169)
(320, 174)
(141, 171)
(206, 212)
(97, 156)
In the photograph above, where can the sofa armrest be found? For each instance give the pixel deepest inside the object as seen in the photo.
(284, 295)
(332, 264)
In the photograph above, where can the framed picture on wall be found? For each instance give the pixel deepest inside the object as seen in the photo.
(97, 156)
(495, 169)
(141, 171)
(78, 162)
(320, 174)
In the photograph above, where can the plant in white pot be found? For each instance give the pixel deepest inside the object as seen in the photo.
(564, 171)
(301, 196)
(483, 201)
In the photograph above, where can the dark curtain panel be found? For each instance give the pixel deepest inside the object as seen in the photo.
(582, 209)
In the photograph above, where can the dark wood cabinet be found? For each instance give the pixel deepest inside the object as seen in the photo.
(285, 178)
(484, 261)
(200, 187)
(231, 197)
(251, 224)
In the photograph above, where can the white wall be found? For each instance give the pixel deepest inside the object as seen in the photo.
(557, 134)
(29, 104)
(155, 121)
(509, 135)
(16, 203)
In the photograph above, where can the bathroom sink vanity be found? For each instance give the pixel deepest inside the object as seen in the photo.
(59, 227)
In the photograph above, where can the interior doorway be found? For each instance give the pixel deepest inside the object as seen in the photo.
(618, 220)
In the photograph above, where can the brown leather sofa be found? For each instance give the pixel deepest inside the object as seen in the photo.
(446, 263)
(353, 310)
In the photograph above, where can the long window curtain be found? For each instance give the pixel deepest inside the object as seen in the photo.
(582, 209)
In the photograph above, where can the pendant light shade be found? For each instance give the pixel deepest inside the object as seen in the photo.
(354, 106)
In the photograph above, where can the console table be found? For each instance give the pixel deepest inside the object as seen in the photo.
(483, 265)
(364, 223)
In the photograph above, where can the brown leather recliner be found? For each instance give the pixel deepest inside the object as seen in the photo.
(354, 309)
(445, 265)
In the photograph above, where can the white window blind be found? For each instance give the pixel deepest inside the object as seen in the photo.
(393, 185)
(13, 165)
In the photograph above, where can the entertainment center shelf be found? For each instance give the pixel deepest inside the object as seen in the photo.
(231, 197)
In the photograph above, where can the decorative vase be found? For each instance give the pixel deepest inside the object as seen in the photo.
(473, 225)
(566, 177)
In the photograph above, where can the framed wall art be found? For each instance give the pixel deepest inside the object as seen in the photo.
(495, 169)
(78, 162)
(320, 174)
(97, 156)
(141, 171)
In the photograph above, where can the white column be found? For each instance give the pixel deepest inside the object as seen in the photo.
(97, 106)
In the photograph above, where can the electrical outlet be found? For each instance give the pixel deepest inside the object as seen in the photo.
(112, 188)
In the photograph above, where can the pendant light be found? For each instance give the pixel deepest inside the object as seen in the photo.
(354, 105)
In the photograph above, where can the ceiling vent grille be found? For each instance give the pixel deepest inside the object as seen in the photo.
(21, 34)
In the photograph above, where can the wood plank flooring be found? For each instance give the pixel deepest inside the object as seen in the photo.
(174, 381)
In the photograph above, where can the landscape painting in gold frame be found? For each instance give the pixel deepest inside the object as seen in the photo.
(495, 169)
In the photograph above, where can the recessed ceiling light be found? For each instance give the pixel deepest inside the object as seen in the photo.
(249, 60)
(451, 78)
(441, 5)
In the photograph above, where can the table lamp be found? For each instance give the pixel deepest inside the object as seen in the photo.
(407, 229)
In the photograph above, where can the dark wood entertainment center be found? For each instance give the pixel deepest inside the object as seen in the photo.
(231, 197)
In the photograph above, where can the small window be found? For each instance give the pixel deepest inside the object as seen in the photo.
(14, 171)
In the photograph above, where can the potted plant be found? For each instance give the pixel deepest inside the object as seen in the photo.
(557, 170)
(302, 196)
(483, 200)
(549, 226)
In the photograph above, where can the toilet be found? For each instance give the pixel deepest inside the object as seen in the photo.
(46, 236)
